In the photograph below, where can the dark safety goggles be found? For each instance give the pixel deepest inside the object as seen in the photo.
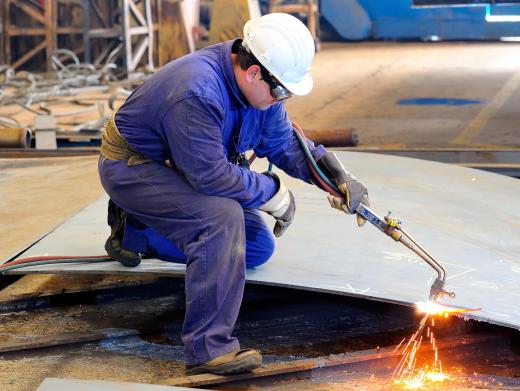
(278, 91)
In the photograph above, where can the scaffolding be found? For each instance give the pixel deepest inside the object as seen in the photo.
(96, 30)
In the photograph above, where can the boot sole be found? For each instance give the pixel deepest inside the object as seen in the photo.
(231, 368)
(117, 257)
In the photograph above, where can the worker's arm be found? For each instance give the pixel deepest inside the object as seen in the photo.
(193, 129)
(281, 147)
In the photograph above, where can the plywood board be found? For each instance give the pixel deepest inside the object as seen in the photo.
(466, 218)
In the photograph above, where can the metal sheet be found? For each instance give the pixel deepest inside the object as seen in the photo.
(54, 384)
(468, 219)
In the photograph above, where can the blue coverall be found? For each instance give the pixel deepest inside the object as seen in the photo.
(204, 206)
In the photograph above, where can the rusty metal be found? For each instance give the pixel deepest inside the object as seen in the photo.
(16, 153)
(15, 138)
(334, 137)
(333, 360)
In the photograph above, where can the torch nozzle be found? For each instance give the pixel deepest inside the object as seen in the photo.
(437, 290)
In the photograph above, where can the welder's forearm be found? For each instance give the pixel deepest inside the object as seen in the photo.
(249, 188)
(293, 160)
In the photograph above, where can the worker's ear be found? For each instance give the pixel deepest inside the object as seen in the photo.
(252, 72)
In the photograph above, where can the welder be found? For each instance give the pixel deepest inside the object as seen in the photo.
(173, 163)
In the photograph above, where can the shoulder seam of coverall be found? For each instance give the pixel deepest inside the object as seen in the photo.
(189, 97)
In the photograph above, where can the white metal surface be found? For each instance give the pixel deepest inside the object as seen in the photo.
(55, 384)
(468, 219)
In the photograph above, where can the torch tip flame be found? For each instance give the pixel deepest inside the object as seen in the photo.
(433, 308)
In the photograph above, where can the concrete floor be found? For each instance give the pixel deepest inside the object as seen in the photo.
(359, 84)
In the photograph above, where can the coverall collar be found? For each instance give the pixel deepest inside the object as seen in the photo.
(225, 59)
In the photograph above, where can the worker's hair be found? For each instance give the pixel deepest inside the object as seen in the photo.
(245, 59)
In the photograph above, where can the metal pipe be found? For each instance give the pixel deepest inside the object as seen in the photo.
(333, 137)
(15, 138)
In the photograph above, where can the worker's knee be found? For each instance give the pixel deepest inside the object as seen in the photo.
(226, 227)
(230, 213)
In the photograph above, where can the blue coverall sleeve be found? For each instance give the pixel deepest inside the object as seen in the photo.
(281, 147)
(193, 129)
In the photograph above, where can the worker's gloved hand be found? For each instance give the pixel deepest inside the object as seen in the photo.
(354, 191)
(281, 206)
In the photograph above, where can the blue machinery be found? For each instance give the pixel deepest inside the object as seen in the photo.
(404, 19)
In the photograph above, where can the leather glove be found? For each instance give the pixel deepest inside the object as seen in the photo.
(281, 206)
(354, 191)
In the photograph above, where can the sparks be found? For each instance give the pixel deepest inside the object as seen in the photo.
(436, 377)
(406, 373)
(421, 377)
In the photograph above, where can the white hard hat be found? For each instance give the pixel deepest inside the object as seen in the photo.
(284, 46)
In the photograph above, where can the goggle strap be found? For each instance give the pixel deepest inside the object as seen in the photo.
(267, 77)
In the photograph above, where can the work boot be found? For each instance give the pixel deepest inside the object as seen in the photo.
(114, 243)
(238, 361)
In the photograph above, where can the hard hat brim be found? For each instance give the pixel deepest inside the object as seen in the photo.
(303, 87)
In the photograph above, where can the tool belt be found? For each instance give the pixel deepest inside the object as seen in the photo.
(115, 147)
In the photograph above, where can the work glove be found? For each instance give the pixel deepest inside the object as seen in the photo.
(281, 206)
(354, 191)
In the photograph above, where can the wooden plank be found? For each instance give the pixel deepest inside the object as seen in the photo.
(6, 40)
(15, 153)
(70, 2)
(65, 339)
(324, 362)
(46, 18)
(291, 8)
(38, 16)
(43, 285)
(29, 54)
(51, 21)
(97, 13)
(310, 8)
(2, 54)
(87, 30)
(25, 31)
(69, 30)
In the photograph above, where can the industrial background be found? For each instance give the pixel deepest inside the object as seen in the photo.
(419, 97)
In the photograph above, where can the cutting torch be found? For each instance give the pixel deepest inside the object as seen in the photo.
(393, 228)
(389, 225)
